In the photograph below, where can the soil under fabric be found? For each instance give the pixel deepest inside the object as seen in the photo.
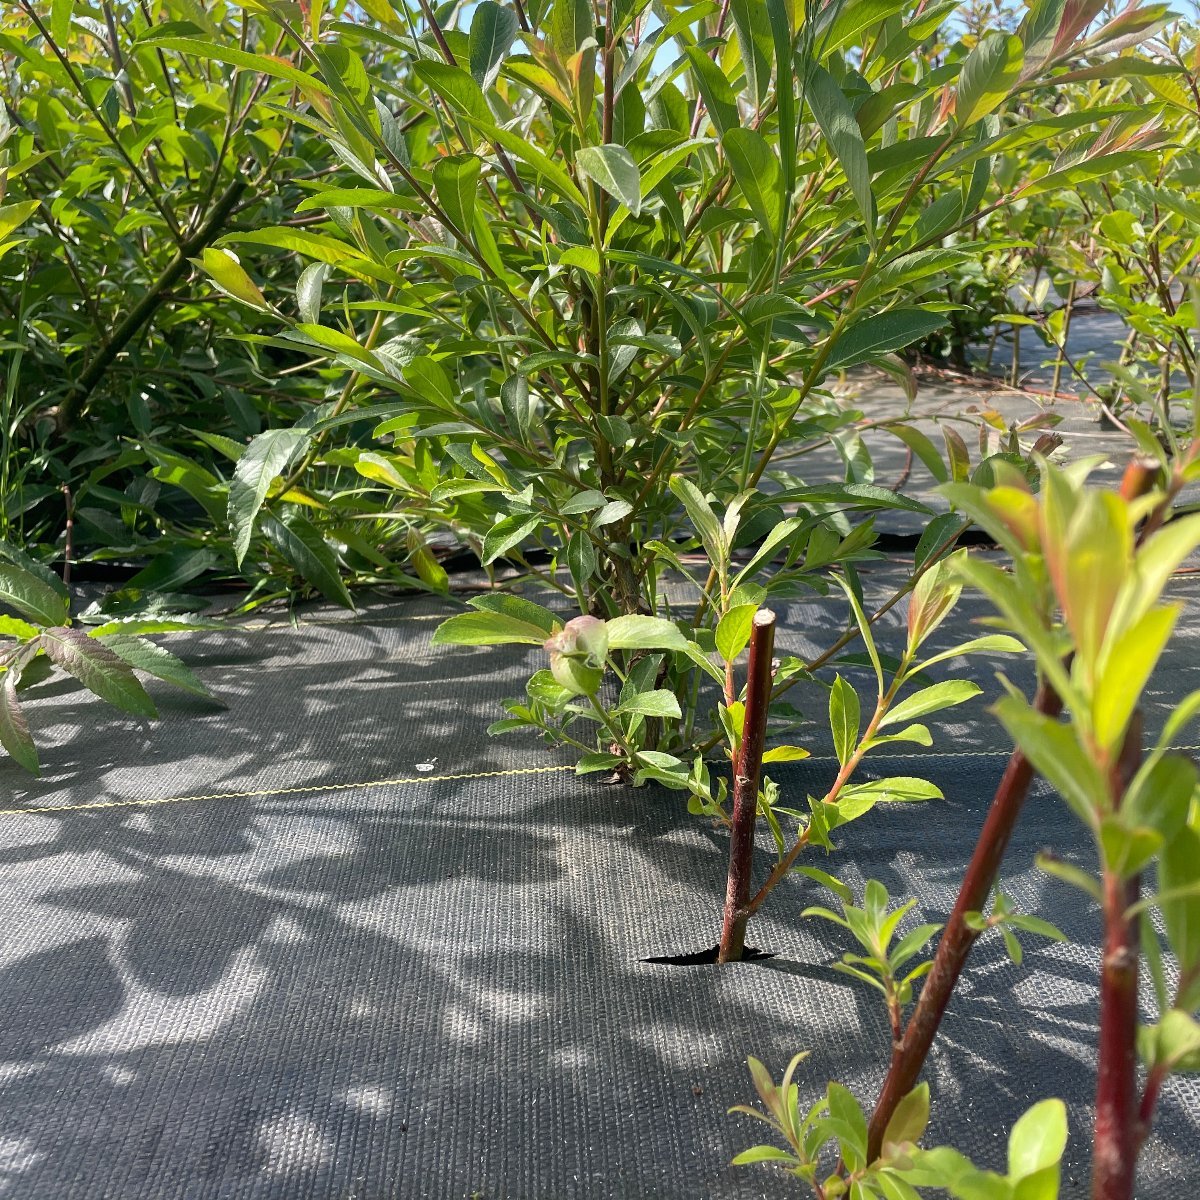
(333, 942)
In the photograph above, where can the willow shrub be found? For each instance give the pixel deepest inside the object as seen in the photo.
(1085, 595)
(588, 274)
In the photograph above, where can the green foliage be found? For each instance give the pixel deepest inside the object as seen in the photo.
(834, 1130)
(103, 658)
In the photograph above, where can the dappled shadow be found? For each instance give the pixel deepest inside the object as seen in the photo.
(434, 986)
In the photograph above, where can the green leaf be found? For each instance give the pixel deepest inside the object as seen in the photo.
(319, 246)
(852, 1123)
(31, 597)
(784, 754)
(301, 543)
(896, 789)
(98, 668)
(229, 275)
(1056, 754)
(455, 180)
(931, 699)
(1037, 1140)
(259, 64)
(1127, 849)
(266, 457)
(637, 632)
(488, 629)
(1179, 870)
(844, 715)
(759, 1154)
(1160, 794)
(719, 97)
(1175, 1041)
(507, 533)
(308, 296)
(754, 39)
(836, 119)
(493, 31)
(14, 627)
(872, 336)
(733, 630)
(703, 519)
(756, 170)
(988, 74)
(612, 167)
(658, 703)
(456, 87)
(61, 12)
(1069, 874)
(571, 24)
(909, 1119)
(588, 763)
(1124, 670)
(156, 660)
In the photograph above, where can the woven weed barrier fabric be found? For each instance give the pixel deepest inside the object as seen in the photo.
(331, 942)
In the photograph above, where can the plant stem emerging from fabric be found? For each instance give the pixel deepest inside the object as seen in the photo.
(747, 770)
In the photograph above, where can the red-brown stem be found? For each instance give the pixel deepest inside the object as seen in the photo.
(910, 1052)
(1118, 1129)
(1141, 475)
(747, 769)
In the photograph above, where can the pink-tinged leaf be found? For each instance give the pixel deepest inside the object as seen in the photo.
(98, 669)
(14, 729)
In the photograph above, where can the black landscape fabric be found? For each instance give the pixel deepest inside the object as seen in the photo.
(405, 960)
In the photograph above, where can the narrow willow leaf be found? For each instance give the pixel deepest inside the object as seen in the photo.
(836, 119)
(267, 456)
(260, 64)
(844, 716)
(613, 168)
(879, 334)
(571, 24)
(319, 246)
(719, 97)
(756, 170)
(754, 40)
(493, 31)
(988, 74)
(455, 180)
(301, 543)
(931, 699)
(98, 669)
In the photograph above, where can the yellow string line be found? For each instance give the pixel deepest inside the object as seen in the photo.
(262, 792)
(312, 788)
